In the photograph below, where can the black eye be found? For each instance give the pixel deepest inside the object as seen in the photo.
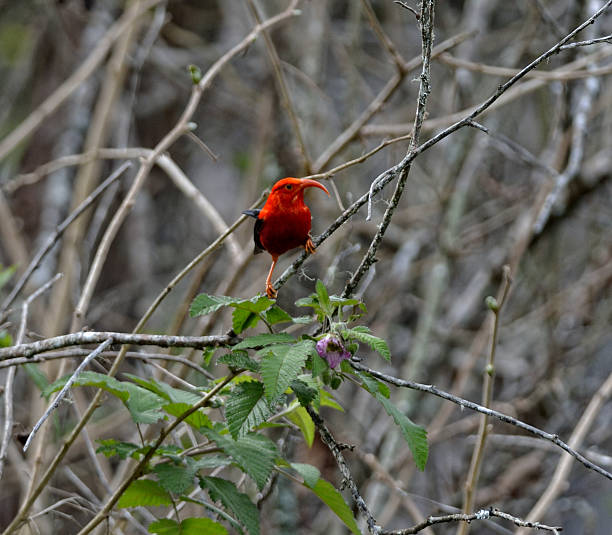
(288, 186)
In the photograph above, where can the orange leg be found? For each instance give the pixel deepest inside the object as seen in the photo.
(270, 291)
(309, 246)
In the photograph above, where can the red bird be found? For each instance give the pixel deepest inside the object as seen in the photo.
(284, 222)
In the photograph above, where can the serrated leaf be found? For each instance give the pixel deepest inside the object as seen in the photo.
(266, 339)
(373, 385)
(144, 492)
(144, 406)
(277, 315)
(242, 319)
(175, 478)
(246, 408)
(238, 503)
(239, 360)
(205, 304)
(197, 419)
(415, 436)
(111, 447)
(256, 304)
(376, 343)
(281, 364)
(326, 492)
(254, 453)
(189, 526)
(302, 419)
(304, 392)
(209, 461)
(309, 473)
(175, 395)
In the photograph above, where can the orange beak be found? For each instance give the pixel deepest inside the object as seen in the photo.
(309, 183)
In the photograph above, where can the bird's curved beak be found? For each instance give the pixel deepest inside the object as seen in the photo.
(309, 183)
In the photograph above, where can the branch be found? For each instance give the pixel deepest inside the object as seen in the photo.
(483, 514)
(431, 389)
(335, 450)
(85, 337)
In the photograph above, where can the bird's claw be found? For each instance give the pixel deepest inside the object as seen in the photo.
(310, 247)
(271, 292)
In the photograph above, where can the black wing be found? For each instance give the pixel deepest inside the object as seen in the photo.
(256, 230)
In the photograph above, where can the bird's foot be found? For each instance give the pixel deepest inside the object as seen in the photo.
(310, 247)
(271, 292)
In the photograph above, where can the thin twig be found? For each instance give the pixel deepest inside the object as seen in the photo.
(605, 39)
(65, 389)
(335, 450)
(10, 376)
(53, 101)
(427, 25)
(431, 389)
(77, 353)
(57, 234)
(387, 176)
(487, 396)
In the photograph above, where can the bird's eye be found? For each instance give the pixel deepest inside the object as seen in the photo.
(288, 186)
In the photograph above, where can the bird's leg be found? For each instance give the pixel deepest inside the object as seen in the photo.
(309, 246)
(270, 291)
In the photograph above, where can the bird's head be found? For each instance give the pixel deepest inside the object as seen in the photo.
(290, 190)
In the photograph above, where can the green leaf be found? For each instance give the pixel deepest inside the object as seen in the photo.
(255, 305)
(246, 408)
(205, 304)
(327, 400)
(309, 473)
(238, 503)
(254, 453)
(326, 492)
(38, 376)
(266, 339)
(319, 365)
(111, 447)
(144, 406)
(242, 319)
(166, 391)
(415, 436)
(376, 343)
(175, 478)
(239, 360)
(302, 419)
(6, 340)
(281, 364)
(197, 419)
(277, 315)
(306, 393)
(189, 526)
(145, 492)
(373, 385)
(323, 296)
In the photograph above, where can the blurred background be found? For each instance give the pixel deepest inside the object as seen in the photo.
(532, 190)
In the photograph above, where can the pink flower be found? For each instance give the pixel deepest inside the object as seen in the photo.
(331, 349)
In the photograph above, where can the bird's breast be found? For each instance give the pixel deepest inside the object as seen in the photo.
(283, 231)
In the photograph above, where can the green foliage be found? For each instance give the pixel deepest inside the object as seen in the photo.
(144, 492)
(239, 504)
(246, 408)
(189, 526)
(415, 436)
(362, 334)
(254, 453)
(281, 364)
(277, 376)
(239, 360)
(144, 406)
